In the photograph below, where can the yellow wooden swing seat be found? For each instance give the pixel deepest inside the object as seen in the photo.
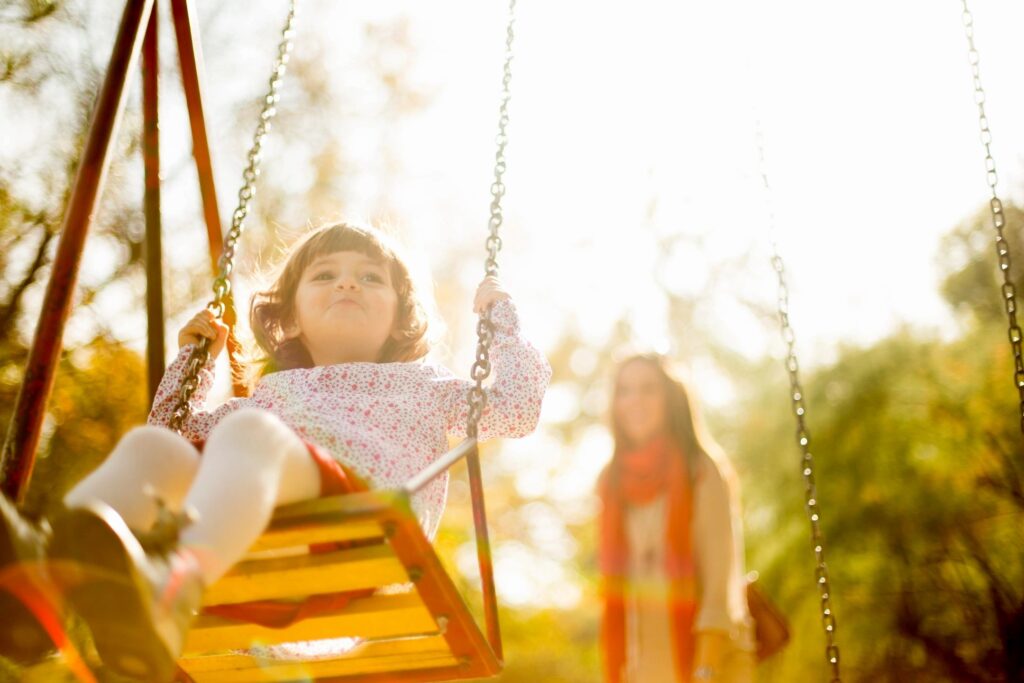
(425, 633)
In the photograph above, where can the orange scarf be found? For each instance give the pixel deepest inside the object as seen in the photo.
(635, 478)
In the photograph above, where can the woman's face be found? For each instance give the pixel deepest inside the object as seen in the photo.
(638, 407)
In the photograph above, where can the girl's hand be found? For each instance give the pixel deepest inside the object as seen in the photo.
(487, 293)
(204, 324)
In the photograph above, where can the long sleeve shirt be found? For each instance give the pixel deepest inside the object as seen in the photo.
(386, 421)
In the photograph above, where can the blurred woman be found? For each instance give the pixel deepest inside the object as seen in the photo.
(671, 546)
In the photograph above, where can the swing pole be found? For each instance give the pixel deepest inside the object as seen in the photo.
(190, 58)
(151, 202)
(18, 457)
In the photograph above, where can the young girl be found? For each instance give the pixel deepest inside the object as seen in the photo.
(340, 393)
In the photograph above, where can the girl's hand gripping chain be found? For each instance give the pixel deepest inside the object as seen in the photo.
(204, 324)
(489, 292)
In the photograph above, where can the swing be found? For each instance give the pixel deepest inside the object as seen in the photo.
(426, 633)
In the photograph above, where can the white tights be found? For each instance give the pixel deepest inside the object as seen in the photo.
(251, 463)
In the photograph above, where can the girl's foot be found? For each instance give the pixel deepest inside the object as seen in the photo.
(137, 606)
(22, 639)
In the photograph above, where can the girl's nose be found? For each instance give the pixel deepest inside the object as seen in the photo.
(347, 282)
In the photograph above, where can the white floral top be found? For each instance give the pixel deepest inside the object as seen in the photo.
(387, 421)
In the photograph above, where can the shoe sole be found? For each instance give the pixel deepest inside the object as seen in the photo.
(22, 638)
(112, 599)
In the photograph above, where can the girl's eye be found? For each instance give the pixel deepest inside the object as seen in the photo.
(373, 277)
(323, 275)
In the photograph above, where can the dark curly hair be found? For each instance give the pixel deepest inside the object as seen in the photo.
(272, 310)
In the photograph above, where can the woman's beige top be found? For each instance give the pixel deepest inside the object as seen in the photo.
(721, 582)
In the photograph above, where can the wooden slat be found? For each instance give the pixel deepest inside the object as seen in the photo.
(365, 505)
(371, 657)
(289, 577)
(299, 531)
(378, 616)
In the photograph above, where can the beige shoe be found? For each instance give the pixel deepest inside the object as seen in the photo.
(138, 606)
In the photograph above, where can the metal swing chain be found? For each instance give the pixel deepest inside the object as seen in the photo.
(803, 436)
(485, 328)
(1009, 290)
(222, 283)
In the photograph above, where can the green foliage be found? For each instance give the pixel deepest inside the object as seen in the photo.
(907, 437)
(918, 464)
(99, 394)
(968, 255)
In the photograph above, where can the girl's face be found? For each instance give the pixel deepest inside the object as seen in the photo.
(638, 407)
(345, 308)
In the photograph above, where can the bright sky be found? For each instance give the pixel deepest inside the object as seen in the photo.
(871, 136)
(868, 117)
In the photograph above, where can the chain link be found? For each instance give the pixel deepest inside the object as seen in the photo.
(1008, 289)
(226, 263)
(803, 437)
(485, 329)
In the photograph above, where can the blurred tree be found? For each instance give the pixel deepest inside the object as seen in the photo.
(967, 254)
(919, 474)
(55, 80)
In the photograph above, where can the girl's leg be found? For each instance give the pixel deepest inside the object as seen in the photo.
(252, 462)
(147, 461)
(139, 607)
